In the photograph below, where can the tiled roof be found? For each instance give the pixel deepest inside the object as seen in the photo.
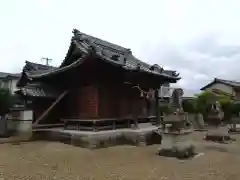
(111, 53)
(4, 75)
(38, 90)
(223, 81)
(35, 68)
(229, 82)
(118, 55)
(31, 66)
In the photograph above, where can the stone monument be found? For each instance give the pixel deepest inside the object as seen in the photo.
(215, 114)
(216, 132)
(175, 137)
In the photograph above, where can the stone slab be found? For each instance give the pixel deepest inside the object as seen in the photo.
(179, 150)
(101, 139)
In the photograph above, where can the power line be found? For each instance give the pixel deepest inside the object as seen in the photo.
(47, 60)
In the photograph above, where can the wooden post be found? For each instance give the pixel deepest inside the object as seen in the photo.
(94, 126)
(65, 125)
(157, 107)
(135, 113)
(114, 125)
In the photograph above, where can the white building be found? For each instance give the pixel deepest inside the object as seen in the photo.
(9, 81)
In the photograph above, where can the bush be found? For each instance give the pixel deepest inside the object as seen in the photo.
(204, 102)
(6, 100)
(189, 106)
(166, 109)
(227, 108)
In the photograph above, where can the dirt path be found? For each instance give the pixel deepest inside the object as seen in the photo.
(48, 160)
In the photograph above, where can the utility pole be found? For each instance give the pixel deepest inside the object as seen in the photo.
(47, 60)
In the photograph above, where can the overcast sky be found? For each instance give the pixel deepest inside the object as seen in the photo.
(198, 38)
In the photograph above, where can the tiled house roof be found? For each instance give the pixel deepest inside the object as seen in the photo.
(222, 81)
(36, 90)
(35, 68)
(4, 75)
(30, 67)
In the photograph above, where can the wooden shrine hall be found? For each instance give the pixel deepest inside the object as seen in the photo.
(99, 85)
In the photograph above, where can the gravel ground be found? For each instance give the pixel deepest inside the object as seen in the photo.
(52, 160)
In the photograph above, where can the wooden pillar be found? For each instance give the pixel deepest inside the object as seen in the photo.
(135, 118)
(157, 107)
(135, 112)
(94, 126)
(114, 125)
(128, 123)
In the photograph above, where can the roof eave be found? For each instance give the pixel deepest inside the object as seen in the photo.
(60, 70)
(218, 81)
(166, 77)
(208, 85)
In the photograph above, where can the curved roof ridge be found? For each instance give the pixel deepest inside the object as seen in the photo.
(100, 42)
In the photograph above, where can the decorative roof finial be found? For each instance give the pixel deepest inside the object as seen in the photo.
(156, 67)
(138, 66)
(152, 68)
(75, 31)
(175, 74)
(124, 60)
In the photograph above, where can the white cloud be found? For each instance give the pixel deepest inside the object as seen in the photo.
(198, 38)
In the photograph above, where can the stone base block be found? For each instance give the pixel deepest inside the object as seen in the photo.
(101, 140)
(217, 137)
(181, 151)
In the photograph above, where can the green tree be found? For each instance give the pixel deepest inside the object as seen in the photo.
(166, 109)
(204, 101)
(189, 106)
(227, 107)
(235, 109)
(207, 98)
(6, 100)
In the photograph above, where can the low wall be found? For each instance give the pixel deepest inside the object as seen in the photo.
(20, 122)
(19, 126)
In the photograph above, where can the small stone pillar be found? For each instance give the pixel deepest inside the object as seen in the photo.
(19, 122)
(26, 118)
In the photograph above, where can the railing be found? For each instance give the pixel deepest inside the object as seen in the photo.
(104, 123)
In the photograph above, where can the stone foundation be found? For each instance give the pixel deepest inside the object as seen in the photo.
(179, 150)
(217, 137)
(95, 140)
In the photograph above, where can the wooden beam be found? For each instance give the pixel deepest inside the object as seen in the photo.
(45, 113)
